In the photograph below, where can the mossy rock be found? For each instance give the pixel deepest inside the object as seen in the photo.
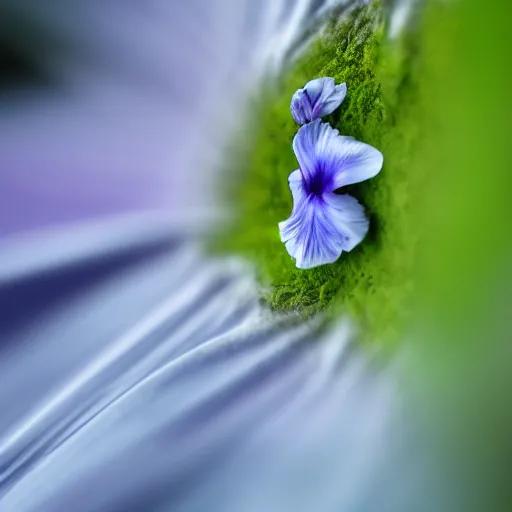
(374, 281)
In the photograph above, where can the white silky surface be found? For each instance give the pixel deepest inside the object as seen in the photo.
(150, 372)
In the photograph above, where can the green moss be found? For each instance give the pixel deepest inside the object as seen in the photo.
(374, 281)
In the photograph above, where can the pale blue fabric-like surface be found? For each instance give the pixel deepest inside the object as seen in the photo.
(148, 376)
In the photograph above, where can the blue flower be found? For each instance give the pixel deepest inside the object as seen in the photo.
(324, 224)
(318, 98)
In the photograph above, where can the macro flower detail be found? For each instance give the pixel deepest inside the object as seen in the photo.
(318, 98)
(323, 224)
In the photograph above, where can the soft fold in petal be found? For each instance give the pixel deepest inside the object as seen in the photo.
(349, 216)
(353, 161)
(329, 161)
(318, 98)
(300, 107)
(296, 185)
(328, 103)
(321, 228)
(306, 146)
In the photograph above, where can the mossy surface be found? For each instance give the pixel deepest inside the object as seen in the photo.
(374, 281)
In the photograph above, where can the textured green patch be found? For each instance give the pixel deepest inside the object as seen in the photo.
(374, 281)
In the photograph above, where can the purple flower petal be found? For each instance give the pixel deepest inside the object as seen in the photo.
(296, 186)
(323, 224)
(330, 100)
(354, 161)
(322, 227)
(319, 97)
(300, 107)
(329, 161)
(349, 216)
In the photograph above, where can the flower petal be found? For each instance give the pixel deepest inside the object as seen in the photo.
(300, 107)
(329, 102)
(329, 161)
(296, 185)
(321, 228)
(349, 216)
(305, 148)
(318, 98)
(319, 88)
(352, 161)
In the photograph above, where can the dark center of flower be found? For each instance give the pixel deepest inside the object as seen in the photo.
(318, 183)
